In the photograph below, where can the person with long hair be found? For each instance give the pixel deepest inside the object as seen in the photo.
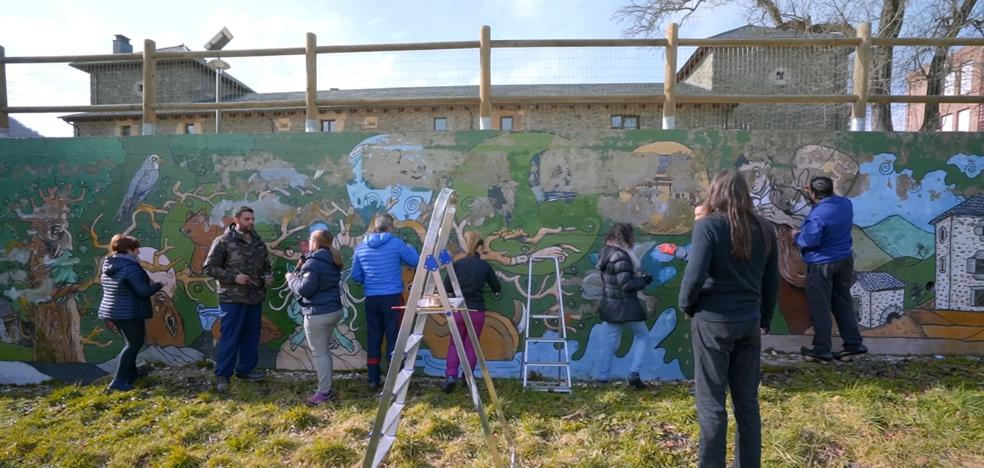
(729, 290)
(316, 280)
(620, 306)
(473, 275)
(127, 290)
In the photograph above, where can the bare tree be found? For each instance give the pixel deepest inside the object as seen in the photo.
(891, 68)
(952, 17)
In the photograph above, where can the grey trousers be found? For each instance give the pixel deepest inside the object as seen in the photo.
(727, 356)
(319, 329)
(828, 289)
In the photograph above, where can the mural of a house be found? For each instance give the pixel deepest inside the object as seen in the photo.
(877, 296)
(960, 256)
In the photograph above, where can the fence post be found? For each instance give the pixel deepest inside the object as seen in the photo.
(862, 61)
(485, 85)
(149, 88)
(669, 78)
(4, 119)
(311, 92)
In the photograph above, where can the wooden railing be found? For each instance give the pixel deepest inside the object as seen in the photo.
(669, 98)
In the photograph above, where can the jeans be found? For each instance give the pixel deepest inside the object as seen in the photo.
(319, 329)
(239, 343)
(611, 332)
(134, 331)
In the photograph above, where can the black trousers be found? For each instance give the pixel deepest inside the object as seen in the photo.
(828, 290)
(133, 331)
(381, 321)
(727, 356)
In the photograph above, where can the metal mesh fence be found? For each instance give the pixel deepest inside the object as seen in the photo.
(566, 65)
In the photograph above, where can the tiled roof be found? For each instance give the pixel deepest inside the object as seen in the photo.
(877, 281)
(973, 206)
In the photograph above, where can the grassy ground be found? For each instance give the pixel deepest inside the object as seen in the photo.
(873, 413)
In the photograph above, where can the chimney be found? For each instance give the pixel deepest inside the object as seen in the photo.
(121, 45)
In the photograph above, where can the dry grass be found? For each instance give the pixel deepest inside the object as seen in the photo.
(906, 413)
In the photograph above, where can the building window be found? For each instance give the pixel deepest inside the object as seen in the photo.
(975, 264)
(125, 130)
(625, 121)
(138, 89)
(283, 124)
(328, 126)
(440, 124)
(946, 124)
(963, 120)
(370, 122)
(978, 297)
(190, 128)
(942, 265)
(942, 234)
(967, 78)
(505, 123)
(950, 84)
(857, 305)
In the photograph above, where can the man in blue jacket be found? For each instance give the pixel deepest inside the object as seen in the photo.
(377, 265)
(825, 241)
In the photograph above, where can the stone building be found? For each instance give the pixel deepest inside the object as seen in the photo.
(877, 296)
(711, 70)
(960, 256)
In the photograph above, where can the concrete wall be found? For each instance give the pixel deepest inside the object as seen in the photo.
(525, 192)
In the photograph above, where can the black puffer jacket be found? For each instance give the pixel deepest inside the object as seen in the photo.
(620, 299)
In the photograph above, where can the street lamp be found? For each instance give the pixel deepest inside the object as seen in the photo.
(219, 66)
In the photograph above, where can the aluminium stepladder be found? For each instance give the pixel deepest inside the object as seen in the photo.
(561, 367)
(427, 282)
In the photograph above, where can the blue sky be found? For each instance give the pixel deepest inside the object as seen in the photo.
(63, 27)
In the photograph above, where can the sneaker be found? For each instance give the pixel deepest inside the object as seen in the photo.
(222, 384)
(374, 386)
(812, 355)
(636, 382)
(319, 398)
(449, 384)
(849, 354)
(119, 386)
(253, 376)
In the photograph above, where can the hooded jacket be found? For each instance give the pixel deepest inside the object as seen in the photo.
(127, 289)
(377, 263)
(620, 299)
(317, 283)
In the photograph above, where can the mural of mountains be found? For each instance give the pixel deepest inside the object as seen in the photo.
(897, 237)
(867, 255)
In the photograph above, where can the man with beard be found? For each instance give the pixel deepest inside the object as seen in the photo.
(239, 261)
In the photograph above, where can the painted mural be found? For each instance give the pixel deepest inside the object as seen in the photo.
(919, 234)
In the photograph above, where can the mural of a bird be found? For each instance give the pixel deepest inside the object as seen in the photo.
(141, 184)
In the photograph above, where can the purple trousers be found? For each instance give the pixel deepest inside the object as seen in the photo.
(478, 320)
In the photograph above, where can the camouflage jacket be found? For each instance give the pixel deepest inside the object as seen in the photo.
(232, 254)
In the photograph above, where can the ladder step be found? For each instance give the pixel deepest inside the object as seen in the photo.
(413, 341)
(548, 364)
(547, 316)
(392, 417)
(385, 443)
(402, 380)
(549, 388)
(546, 340)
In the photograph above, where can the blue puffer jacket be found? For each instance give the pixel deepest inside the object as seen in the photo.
(126, 289)
(318, 284)
(377, 264)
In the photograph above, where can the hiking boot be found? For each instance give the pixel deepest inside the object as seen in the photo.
(222, 384)
(449, 384)
(119, 386)
(319, 398)
(254, 376)
(851, 353)
(811, 354)
(636, 382)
